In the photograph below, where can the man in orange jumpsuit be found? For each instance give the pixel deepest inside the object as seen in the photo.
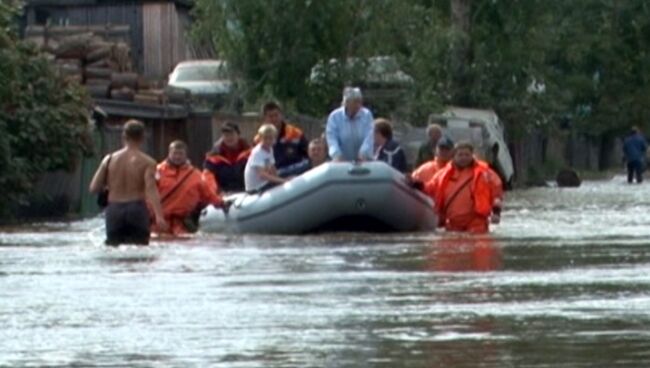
(444, 153)
(183, 192)
(466, 193)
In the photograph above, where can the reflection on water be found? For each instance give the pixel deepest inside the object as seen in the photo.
(564, 282)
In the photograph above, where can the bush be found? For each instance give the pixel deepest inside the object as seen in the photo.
(44, 122)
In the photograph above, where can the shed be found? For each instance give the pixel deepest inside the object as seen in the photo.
(156, 30)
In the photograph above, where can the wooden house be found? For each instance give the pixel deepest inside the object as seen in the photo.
(156, 30)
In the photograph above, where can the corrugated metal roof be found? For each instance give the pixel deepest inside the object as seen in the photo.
(141, 111)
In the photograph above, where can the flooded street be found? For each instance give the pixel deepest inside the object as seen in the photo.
(564, 282)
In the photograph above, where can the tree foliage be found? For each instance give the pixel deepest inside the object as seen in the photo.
(43, 117)
(535, 62)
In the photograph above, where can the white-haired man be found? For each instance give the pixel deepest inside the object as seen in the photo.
(349, 130)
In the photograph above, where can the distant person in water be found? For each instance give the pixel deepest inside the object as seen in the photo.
(426, 152)
(349, 129)
(466, 193)
(386, 148)
(260, 173)
(317, 155)
(443, 155)
(129, 175)
(634, 151)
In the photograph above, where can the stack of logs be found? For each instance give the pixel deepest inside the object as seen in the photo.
(104, 67)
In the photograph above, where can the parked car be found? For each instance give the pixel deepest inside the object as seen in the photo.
(484, 129)
(208, 82)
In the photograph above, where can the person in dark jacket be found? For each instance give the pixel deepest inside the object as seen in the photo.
(634, 150)
(427, 150)
(317, 156)
(291, 145)
(223, 168)
(386, 149)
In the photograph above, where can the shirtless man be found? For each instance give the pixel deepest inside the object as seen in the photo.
(131, 179)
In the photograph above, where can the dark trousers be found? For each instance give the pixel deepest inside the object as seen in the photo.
(635, 170)
(127, 223)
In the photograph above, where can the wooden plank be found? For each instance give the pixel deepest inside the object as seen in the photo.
(57, 31)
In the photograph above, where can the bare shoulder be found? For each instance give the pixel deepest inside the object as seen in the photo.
(146, 159)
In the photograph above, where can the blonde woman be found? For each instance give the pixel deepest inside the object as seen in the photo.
(260, 173)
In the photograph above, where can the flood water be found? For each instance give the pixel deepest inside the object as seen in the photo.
(563, 282)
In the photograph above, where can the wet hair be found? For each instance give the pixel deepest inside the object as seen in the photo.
(383, 127)
(178, 145)
(134, 130)
(267, 129)
(271, 106)
(464, 145)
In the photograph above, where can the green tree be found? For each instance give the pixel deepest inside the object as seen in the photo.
(43, 117)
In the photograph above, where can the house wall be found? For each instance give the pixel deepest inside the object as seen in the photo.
(157, 29)
(164, 40)
(108, 12)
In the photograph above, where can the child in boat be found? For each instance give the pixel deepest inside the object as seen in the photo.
(260, 173)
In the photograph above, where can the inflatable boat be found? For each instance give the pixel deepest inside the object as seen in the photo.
(332, 197)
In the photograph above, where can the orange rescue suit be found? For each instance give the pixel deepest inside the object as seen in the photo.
(464, 199)
(182, 190)
(428, 170)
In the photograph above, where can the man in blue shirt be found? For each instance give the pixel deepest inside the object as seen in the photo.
(634, 150)
(349, 130)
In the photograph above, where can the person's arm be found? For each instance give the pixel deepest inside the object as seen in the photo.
(367, 147)
(269, 175)
(99, 179)
(295, 169)
(431, 187)
(210, 180)
(400, 160)
(208, 194)
(151, 191)
(331, 136)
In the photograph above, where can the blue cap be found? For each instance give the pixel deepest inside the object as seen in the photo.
(445, 142)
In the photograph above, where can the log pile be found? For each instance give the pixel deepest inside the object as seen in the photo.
(98, 61)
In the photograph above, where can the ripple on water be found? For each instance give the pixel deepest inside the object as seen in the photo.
(563, 282)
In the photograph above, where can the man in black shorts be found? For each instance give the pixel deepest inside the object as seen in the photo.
(129, 175)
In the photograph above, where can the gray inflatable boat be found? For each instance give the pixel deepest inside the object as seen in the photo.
(332, 197)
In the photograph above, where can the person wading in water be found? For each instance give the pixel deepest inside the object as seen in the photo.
(129, 176)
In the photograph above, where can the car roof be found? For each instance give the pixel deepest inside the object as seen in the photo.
(200, 62)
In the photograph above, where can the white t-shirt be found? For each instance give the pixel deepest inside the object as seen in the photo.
(259, 158)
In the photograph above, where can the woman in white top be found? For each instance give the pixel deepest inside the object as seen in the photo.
(260, 173)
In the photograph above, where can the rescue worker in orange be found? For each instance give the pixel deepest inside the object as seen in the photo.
(443, 155)
(183, 192)
(465, 193)
(291, 145)
(223, 168)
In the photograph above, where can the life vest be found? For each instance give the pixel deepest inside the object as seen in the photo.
(481, 188)
(496, 184)
(182, 190)
(290, 147)
(428, 170)
(224, 175)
